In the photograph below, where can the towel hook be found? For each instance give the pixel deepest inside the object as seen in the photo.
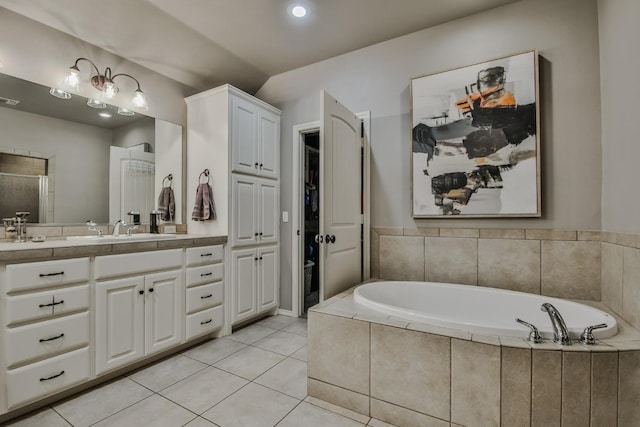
(206, 174)
(167, 178)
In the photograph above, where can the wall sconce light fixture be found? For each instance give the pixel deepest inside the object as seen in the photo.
(104, 82)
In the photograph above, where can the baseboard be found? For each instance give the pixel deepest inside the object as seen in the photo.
(286, 313)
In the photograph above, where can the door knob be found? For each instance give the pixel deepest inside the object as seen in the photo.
(330, 238)
(319, 238)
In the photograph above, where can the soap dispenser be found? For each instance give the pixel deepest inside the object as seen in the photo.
(154, 220)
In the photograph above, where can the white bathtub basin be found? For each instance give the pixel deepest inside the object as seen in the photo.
(478, 309)
(135, 237)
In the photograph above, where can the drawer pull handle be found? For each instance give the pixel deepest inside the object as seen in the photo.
(52, 338)
(51, 304)
(52, 377)
(206, 296)
(206, 274)
(206, 321)
(60, 273)
(207, 254)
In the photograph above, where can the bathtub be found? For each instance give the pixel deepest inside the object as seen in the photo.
(479, 310)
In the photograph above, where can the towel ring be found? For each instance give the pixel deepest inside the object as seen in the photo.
(206, 174)
(167, 178)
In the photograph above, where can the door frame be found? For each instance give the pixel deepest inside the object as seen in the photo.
(296, 201)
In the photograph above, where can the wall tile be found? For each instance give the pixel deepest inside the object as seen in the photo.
(401, 258)
(628, 240)
(475, 384)
(451, 260)
(629, 388)
(546, 385)
(430, 232)
(576, 389)
(499, 233)
(631, 286)
(509, 264)
(611, 276)
(374, 244)
(571, 269)
(338, 351)
(551, 235)
(594, 236)
(389, 231)
(604, 389)
(411, 369)
(516, 387)
(338, 396)
(402, 417)
(460, 232)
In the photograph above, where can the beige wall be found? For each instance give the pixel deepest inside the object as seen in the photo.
(377, 78)
(620, 70)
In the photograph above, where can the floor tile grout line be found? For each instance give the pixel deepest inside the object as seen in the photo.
(287, 414)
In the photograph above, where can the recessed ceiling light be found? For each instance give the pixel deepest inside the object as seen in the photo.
(299, 11)
(105, 114)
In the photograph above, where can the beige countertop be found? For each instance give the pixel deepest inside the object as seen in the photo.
(60, 247)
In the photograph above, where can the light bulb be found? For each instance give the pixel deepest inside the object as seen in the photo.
(299, 11)
(125, 112)
(140, 101)
(72, 81)
(109, 89)
(59, 93)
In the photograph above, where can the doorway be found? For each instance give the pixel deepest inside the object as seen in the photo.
(311, 220)
(305, 135)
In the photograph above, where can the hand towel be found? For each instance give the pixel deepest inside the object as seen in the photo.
(204, 208)
(167, 204)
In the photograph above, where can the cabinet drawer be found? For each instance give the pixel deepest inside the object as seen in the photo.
(204, 322)
(204, 274)
(49, 376)
(41, 305)
(205, 254)
(45, 338)
(127, 264)
(204, 296)
(34, 275)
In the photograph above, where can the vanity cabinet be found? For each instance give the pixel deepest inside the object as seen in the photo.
(139, 315)
(255, 208)
(237, 138)
(255, 139)
(45, 336)
(256, 283)
(204, 292)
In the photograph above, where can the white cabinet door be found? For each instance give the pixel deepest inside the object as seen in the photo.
(268, 211)
(163, 310)
(119, 323)
(244, 136)
(268, 145)
(244, 284)
(268, 278)
(244, 220)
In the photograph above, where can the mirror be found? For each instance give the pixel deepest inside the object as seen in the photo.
(76, 144)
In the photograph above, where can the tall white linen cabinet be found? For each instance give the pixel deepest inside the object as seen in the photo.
(235, 137)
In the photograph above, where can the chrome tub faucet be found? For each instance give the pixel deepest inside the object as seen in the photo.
(560, 332)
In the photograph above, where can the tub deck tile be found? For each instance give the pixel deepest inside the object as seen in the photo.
(437, 330)
(486, 339)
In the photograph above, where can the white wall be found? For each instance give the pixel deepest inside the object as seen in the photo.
(81, 156)
(620, 88)
(377, 79)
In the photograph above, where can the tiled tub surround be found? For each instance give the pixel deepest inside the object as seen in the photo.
(413, 374)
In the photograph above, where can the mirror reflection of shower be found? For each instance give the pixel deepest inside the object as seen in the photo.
(24, 186)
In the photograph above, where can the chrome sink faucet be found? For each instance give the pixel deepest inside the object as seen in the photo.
(94, 227)
(116, 227)
(560, 332)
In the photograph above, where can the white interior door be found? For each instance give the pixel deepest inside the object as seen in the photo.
(340, 195)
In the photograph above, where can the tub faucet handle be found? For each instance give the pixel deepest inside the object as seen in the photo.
(587, 335)
(534, 335)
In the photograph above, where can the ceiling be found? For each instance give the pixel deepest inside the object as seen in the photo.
(204, 43)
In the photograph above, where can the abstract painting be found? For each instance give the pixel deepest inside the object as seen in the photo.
(475, 140)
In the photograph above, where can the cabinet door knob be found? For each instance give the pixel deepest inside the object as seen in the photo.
(255, 165)
(150, 289)
(260, 165)
(141, 292)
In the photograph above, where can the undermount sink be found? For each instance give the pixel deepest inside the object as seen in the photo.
(121, 238)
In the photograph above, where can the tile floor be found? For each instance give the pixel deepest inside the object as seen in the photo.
(255, 377)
